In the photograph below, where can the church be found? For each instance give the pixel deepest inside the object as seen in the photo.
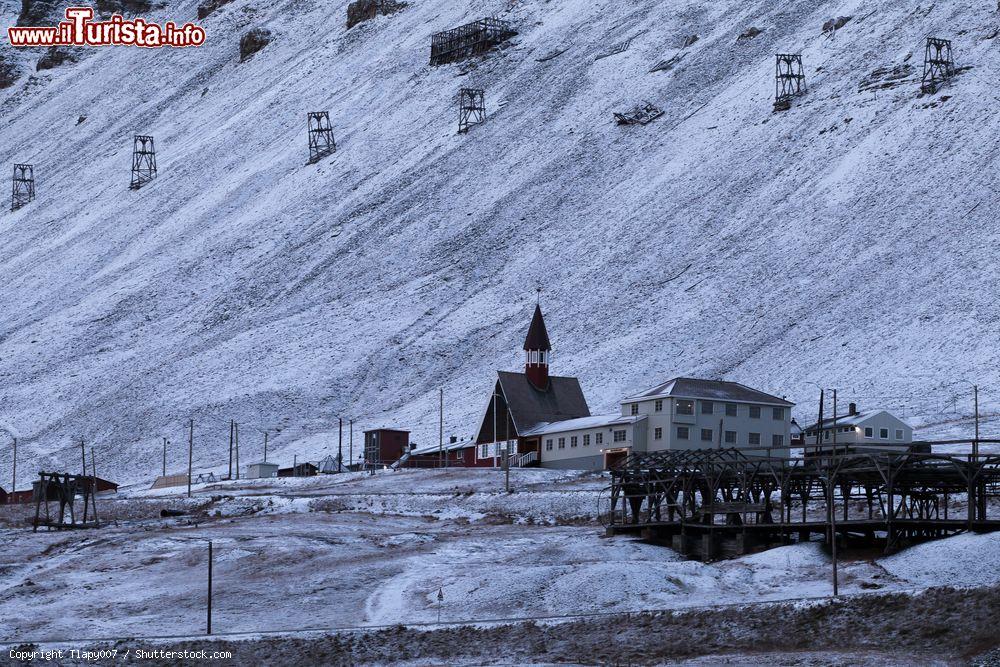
(523, 403)
(538, 419)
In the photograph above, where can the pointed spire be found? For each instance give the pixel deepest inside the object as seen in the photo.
(538, 337)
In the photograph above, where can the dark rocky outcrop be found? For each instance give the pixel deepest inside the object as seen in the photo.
(39, 12)
(127, 7)
(209, 6)
(54, 57)
(365, 10)
(8, 72)
(253, 41)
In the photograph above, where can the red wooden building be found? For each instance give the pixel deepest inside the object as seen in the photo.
(28, 495)
(384, 446)
(454, 454)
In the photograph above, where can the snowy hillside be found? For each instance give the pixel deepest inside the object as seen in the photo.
(848, 242)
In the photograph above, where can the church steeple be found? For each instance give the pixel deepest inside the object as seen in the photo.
(537, 350)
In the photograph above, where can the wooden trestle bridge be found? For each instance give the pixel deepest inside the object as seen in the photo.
(711, 504)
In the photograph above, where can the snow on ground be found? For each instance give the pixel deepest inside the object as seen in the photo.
(288, 556)
(846, 242)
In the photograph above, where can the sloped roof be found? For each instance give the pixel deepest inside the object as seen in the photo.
(538, 337)
(717, 390)
(529, 407)
(448, 447)
(582, 423)
(851, 420)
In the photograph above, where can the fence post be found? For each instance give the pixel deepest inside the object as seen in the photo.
(210, 587)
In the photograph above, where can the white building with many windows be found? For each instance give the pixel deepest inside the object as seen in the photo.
(684, 413)
(868, 429)
(589, 443)
(691, 413)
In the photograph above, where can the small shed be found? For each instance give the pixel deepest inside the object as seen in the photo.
(301, 470)
(3, 496)
(166, 481)
(262, 470)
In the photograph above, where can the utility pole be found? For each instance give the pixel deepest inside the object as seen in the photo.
(83, 457)
(265, 446)
(13, 481)
(506, 454)
(496, 437)
(236, 433)
(164, 457)
(819, 424)
(190, 453)
(833, 506)
(295, 466)
(350, 455)
(975, 443)
(231, 425)
(442, 460)
(833, 534)
(209, 587)
(340, 444)
(835, 422)
(93, 464)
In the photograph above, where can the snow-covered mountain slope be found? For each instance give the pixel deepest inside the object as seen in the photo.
(847, 242)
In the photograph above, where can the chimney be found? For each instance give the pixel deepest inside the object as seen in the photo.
(852, 409)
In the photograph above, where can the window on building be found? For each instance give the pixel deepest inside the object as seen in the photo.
(620, 436)
(683, 432)
(562, 443)
(826, 434)
(869, 432)
(754, 439)
(586, 440)
(883, 434)
(483, 452)
(572, 441)
(706, 435)
(657, 433)
(777, 440)
(706, 407)
(658, 405)
(754, 412)
(685, 407)
(731, 409)
(548, 445)
(599, 438)
(730, 437)
(899, 434)
(778, 414)
(635, 408)
(541, 357)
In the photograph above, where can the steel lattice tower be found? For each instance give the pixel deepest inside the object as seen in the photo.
(143, 161)
(22, 188)
(939, 66)
(789, 80)
(321, 142)
(471, 108)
